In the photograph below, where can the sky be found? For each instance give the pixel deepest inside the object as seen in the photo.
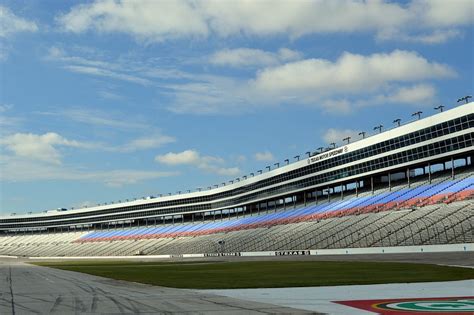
(104, 100)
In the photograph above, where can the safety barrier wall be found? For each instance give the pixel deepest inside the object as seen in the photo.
(465, 247)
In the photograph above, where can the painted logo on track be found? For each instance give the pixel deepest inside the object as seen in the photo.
(451, 305)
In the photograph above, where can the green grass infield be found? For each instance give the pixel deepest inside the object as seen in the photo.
(264, 274)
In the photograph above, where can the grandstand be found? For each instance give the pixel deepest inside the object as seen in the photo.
(411, 185)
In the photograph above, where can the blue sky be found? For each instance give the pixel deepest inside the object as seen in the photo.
(107, 100)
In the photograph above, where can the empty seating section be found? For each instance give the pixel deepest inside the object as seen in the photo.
(439, 212)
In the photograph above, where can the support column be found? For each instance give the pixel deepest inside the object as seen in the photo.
(372, 184)
(452, 167)
(408, 177)
(357, 188)
(429, 173)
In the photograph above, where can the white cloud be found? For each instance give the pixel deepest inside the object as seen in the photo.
(7, 122)
(244, 57)
(147, 142)
(152, 139)
(421, 93)
(5, 107)
(439, 13)
(266, 156)
(350, 73)
(333, 135)
(209, 164)
(95, 67)
(339, 106)
(39, 147)
(335, 86)
(145, 20)
(98, 118)
(240, 158)
(107, 73)
(161, 20)
(185, 157)
(109, 95)
(11, 23)
(431, 38)
(21, 169)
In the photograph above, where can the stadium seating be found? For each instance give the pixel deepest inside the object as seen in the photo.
(425, 212)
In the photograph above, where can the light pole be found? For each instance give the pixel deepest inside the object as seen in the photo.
(320, 149)
(418, 113)
(465, 98)
(397, 121)
(287, 161)
(297, 157)
(440, 108)
(348, 139)
(362, 133)
(277, 165)
(379, 128)
(268, 167)
(308, 153)
(259, 171)
(252, 174)
(333, 145)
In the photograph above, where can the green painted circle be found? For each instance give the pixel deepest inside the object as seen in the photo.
(430, 306)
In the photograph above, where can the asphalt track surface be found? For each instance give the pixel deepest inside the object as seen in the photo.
(27, 289)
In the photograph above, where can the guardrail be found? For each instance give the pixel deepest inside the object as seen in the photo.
(465, 247)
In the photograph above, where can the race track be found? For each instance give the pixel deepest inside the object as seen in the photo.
(27, 289)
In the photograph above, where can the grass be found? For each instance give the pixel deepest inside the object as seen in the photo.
(265, 274)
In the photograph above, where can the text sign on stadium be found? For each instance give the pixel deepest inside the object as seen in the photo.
(293, 253)
(327, 155)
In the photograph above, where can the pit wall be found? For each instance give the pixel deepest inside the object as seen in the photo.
(465, 247)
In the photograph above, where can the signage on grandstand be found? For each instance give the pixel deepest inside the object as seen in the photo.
(293, 253)
(221, 254)
(327, 155)
(176, 256)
